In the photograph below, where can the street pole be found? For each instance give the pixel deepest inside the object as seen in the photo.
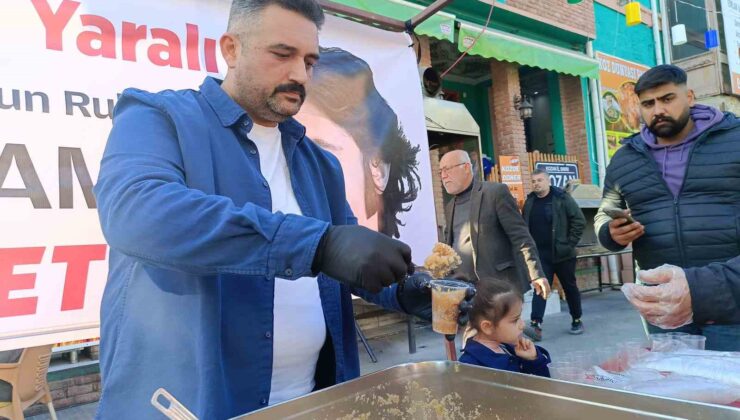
(656, 33)
(666, 33)
(598, 119)
(612, 260)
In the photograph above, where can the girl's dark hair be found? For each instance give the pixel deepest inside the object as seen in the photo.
(343, 89)
(493, 301)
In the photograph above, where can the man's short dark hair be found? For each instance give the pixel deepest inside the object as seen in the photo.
(245, 9)
(539, 172)
(659, 76)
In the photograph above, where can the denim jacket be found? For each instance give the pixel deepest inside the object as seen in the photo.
(195, 249)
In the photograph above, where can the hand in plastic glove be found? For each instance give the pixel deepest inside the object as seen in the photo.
(667, 305)
(415, 297)
(541, 287)
(360, 257)
(525, 349)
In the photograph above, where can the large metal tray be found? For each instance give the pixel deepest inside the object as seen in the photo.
(450, 390)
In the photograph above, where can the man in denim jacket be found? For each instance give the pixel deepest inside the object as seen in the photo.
(233, 250)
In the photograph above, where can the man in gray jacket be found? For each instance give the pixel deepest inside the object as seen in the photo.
(486, 229)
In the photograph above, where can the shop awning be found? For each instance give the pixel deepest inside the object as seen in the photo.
(441, 25)
(449, 117)
(515, 49)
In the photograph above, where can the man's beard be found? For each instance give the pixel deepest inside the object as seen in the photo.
(266, 106)
(279, 108)
(671, 128)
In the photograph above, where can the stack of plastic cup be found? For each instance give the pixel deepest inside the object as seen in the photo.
(694, 342)
(580, 358)
(606, 357)
(559, 365)
(677, 335)
(567, 372)
(660, 342)
(629, 352)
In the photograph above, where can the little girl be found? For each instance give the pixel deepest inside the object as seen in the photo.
(498, 342)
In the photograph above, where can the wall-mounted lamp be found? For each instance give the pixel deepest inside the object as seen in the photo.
(524, 107)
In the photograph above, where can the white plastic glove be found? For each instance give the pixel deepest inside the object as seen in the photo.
(667, 305)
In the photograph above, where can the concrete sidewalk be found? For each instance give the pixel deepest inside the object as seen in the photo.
(608, 319)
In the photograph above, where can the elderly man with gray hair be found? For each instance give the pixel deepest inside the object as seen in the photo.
(486, 229)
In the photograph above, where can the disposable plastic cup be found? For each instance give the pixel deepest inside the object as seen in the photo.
(561, 364)
(697, 342)
(446, 298)
(575, 361)
(675, 341)
(629, 352)
(570, 374)
(605, 357)
(581, 358)
(659, 342)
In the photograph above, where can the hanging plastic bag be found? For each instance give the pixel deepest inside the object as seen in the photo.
(723, 368)
(669, 385)
(683, 387)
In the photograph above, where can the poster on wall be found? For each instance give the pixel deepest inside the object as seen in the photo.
(511, 175)
(61, 79)
(619, 102)
(731, 19)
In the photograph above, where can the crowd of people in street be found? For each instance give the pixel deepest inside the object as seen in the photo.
(257, 239)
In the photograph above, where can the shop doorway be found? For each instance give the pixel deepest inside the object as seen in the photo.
(538, 129)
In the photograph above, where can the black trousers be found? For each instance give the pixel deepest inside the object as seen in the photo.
(566, 272)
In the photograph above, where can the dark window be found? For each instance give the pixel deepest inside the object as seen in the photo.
(693, 14)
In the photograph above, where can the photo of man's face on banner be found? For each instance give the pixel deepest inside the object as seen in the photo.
(345, 114)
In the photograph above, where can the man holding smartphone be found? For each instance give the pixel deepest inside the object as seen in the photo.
(679, 179)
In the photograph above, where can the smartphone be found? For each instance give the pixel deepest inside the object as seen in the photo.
(616, 213)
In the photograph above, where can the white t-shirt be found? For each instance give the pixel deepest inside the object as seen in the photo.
(299, 329)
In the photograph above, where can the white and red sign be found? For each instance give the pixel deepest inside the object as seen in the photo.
(731, 19)
(63, 64)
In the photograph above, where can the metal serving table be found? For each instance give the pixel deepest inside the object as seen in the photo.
(450, 390)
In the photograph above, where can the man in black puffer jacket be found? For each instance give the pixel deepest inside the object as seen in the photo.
(680, 179)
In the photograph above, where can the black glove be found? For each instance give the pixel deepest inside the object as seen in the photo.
(415, 297)
(360, 257)
(465, 306)
(414, 294)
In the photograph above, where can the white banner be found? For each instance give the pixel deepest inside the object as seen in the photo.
(731, 17)
(63, 64)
